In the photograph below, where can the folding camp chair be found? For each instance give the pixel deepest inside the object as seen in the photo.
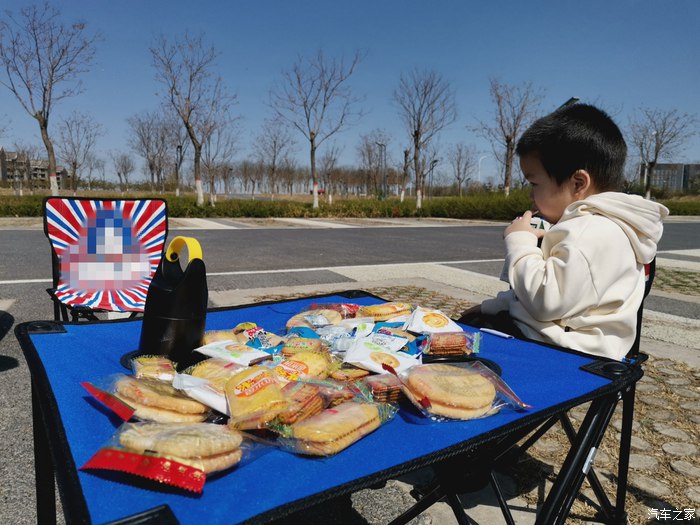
(461, 475)
(104, 253)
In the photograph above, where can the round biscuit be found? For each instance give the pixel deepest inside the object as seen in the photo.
(151, 392)
(193, 440)
(160, 415)
(451, 386)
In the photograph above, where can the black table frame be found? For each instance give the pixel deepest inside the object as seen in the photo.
(51, 448)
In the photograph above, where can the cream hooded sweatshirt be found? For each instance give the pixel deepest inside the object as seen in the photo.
(583, 288)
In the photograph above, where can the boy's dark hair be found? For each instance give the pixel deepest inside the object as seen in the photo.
(574, 137)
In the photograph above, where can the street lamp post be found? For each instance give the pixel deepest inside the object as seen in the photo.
(178, 160)
(430, 177)
(382, 156)
(478, 171)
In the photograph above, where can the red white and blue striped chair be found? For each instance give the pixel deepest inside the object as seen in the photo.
(104, 253)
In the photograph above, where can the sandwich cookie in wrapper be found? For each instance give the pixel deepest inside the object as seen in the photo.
(147, 399)
(180, 455)
(334, 429)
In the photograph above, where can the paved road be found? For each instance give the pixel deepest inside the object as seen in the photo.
(246, 259)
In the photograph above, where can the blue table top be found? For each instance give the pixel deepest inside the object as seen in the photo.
(541, 376)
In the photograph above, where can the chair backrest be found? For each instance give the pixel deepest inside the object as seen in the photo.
(649, 274)
(104, 251)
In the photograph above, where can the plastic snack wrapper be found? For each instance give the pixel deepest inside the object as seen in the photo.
(391, 311)
(457, 391)
(369, 354)
(261, 339)
(231, 334)
(234, 352)
(415, 343)
(146, 399)
(452, 343)
(346, 310)
(154, 367)
(202, 390)
(384, 388)
(427, 321)
(180, 455)
(254, 398)
(334, 429)
(303, 365)
(314, 319)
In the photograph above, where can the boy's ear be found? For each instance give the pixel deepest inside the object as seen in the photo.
(582, 182)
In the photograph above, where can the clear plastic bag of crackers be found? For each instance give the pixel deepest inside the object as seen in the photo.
(180, 455)
(334, 429)
(457, 391)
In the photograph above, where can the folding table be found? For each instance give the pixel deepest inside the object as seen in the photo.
(69, 427)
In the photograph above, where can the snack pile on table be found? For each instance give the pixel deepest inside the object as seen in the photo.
(338, 373)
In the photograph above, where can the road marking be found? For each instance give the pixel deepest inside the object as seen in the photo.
(27, 281)
(199, 224)
(337, 268)
(315, 224)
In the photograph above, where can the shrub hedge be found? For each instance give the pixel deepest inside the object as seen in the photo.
(486, 206)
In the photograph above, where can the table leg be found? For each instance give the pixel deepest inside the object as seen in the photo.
(574, 469)
(43, 466)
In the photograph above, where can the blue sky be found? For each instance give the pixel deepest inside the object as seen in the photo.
(620, 55)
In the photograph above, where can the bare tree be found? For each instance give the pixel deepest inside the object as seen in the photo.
(659, 134)
(315, 98)
(186, 68)
(217, 154)
(462, 159)
(329, 162)
(372, 153)
(124, 166)
(43, 59)
(147, 139)
(273, 147)
(426, 105)
(78, 135)
(516, 108)
(21, 167)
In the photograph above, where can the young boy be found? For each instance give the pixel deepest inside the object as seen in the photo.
(583, 287)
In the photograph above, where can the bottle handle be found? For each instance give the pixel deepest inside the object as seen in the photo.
(193, 248)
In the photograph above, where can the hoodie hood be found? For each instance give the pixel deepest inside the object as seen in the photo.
(640, 219)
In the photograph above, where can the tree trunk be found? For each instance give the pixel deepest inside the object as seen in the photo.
(53, 181)
(510, 152)
(198, 174)
(314, 176)
(647, 185)
(419, 175)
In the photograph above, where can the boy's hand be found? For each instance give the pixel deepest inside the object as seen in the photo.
(522, 224)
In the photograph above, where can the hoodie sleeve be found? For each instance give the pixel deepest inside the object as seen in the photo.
(550, 288)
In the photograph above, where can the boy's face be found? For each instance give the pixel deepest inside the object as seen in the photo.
(550, 198)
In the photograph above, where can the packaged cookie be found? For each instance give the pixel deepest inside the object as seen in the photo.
(153, 367)
(234, 352)
(254, 398)
(314, 318)
(368, 354)
(457, 391)
(334, 429)
(453, 344)
(179, 455)
(147, 399)
(427, 321)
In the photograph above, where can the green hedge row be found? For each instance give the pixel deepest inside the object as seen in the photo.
(486, 206)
